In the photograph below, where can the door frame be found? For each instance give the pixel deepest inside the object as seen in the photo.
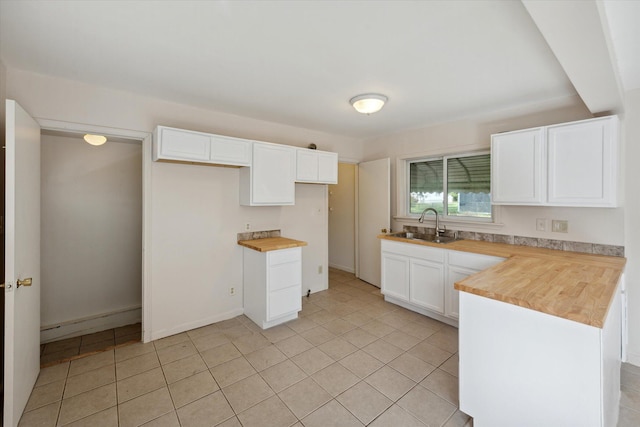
(146, 139)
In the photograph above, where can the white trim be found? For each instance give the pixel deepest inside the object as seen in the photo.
(343, 268)
(402, 183)
(90, 324)
(145, 138)
(156, 335)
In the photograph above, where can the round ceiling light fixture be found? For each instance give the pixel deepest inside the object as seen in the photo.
(95, 139)
(368, 103)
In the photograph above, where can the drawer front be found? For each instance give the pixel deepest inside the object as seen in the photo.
(414, 250)
(474, 261)
(284, 301)
(285, 275)
(284, 256)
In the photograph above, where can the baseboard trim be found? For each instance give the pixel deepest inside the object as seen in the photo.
(89, 325)
(633, 358)
(163, 333)
(343, 268)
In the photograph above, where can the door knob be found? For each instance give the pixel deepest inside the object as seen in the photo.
(25, 282)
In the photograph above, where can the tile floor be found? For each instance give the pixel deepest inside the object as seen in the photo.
(72, 348)
(349, 360)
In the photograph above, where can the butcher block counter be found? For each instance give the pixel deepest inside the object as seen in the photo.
(571, 285)
(271, 244)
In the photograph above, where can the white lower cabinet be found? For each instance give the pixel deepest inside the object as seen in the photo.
(461, 265)
(272, 285)
(422, 278)
(521, 367)
(413, 277)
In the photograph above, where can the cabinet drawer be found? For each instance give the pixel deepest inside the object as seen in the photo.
(414, 250)
(284, 255)
(284, 301)
(474, 261)
(285, 275)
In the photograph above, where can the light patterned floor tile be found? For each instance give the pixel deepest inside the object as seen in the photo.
(192, 388)
(364, 401)
(140, 384)
(210, 410)
(390, 382)
(88, 403)
(333, 414)
(304, 397)
(283, 375)
(361, 363)
(269, 413)
(106, 418)
(442, 384)
(335, 379)
(396, 416)
(145, 408)
(248, 392)
(183, 368)
(426, 406)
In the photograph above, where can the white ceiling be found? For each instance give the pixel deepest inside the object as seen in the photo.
(296, 62)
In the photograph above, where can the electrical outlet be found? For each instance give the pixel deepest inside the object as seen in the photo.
(247, 226)
(232, 291)
(559, 226)
(541, 224)
(319, 269)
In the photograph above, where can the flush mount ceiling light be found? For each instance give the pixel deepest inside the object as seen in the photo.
(368, 103)
(95, 139)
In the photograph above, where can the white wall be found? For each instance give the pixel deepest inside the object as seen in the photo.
(195, 213)
(91, 232)
(632, 215)
(342, 218)
(605, 226)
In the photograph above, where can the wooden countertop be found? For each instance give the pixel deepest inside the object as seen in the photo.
(571, 285)
(271, 244)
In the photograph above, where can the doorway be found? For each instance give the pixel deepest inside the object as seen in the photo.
(342, 217)
(91, 244)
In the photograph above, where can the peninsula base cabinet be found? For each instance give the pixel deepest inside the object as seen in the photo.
(520, 367)
(272, 285)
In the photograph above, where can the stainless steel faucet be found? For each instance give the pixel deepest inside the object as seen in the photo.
(438, 229)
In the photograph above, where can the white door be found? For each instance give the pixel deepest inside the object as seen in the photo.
(22, 261)
(374, 216)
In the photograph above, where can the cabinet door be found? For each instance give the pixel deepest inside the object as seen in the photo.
(427, 284)
(273, 174)
(230, 151)
(395, 276)
(452, 295)
(328, 168)
(177, 144)
(582, 160)
(517, 168)
(283, 301)
(306, 166)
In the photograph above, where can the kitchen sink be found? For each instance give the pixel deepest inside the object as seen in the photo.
(424, 237)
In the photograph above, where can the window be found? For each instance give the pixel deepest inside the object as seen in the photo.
(455, 186)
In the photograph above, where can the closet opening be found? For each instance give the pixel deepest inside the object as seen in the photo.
(91, 245)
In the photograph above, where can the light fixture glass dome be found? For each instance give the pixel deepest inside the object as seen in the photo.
(368, 103)
(95, 139)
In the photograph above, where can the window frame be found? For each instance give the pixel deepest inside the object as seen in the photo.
(445, 217)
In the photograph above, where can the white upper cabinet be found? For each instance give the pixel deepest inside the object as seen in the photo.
(582, 162)
(318, 167)
(517, 167)
(190, 146)
(570, 164)
(271, 178)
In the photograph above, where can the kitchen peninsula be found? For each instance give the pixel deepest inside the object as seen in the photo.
(539, 336)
